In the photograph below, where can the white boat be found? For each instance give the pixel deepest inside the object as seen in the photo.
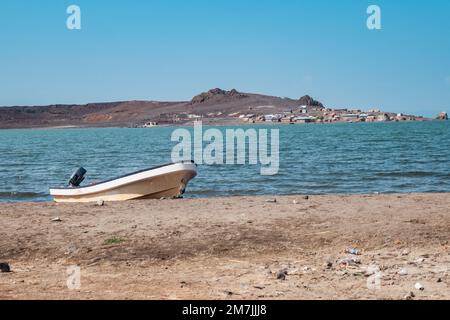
(167, 181)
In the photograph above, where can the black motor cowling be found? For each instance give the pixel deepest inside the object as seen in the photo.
(77, 177)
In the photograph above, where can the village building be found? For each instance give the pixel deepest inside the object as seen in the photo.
(307, 119)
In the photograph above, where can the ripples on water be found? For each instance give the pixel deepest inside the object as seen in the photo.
(314, 159)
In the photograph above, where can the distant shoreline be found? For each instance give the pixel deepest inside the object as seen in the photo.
(205, 123)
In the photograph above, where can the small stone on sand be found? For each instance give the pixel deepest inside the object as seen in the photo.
(4, 267)
(409, 296)
(281, 275)
(403, 272)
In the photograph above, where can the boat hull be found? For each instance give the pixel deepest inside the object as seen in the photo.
(167, 181)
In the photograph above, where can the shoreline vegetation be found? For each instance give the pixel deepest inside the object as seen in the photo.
(215, 107)
(379, 246)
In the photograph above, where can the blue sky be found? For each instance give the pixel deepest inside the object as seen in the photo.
(174, 49)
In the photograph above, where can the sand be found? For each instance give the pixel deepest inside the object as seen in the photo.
(230, 248)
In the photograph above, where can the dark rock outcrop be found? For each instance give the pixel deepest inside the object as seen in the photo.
(310, 102)
(217, 94)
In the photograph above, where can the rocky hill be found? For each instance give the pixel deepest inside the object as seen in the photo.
(215, 105)
(309, 101)
(217, 95)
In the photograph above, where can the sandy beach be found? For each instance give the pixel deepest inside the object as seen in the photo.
(230, 248)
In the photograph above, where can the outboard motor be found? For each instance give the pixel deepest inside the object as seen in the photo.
(77, 177)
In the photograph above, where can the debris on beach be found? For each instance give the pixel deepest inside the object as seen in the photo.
(100, 203)
(420, 260)
(353, 251)
(294, 202)
(306, 197)
(271, 200)
(4, 267)
(419, 286)
(56, 219)
(439, 280)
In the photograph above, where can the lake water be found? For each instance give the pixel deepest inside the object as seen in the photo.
(314, 159)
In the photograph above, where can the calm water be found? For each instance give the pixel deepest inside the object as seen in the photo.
(314, 159)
